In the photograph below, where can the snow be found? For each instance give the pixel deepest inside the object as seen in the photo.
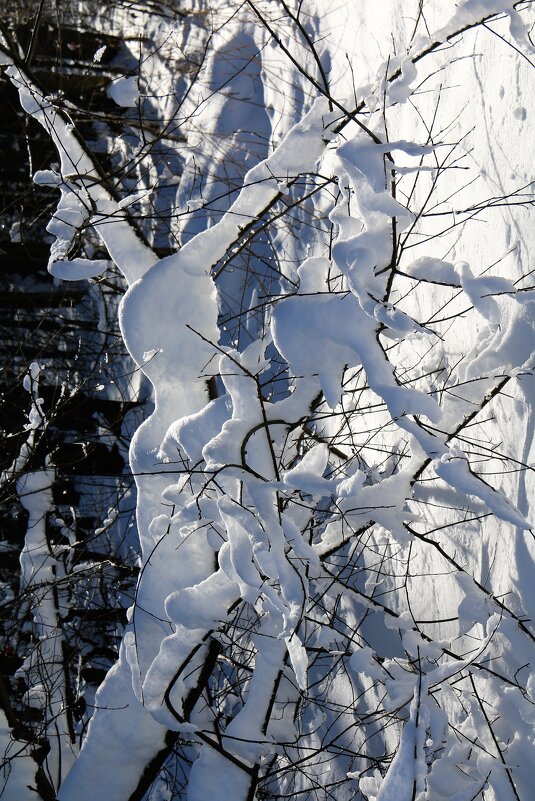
(200, 606)
(99, 53)
(121, 719)
(78, 269)
(17, 771)
(307, 474)
(471, 12)
(124, 91)
(427, 268)
(453, 467)
(354, 520)
(134, 198)
(38, 572)
(79, 190)
(404, 779)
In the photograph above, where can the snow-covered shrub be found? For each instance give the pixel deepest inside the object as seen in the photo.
(334, 485)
